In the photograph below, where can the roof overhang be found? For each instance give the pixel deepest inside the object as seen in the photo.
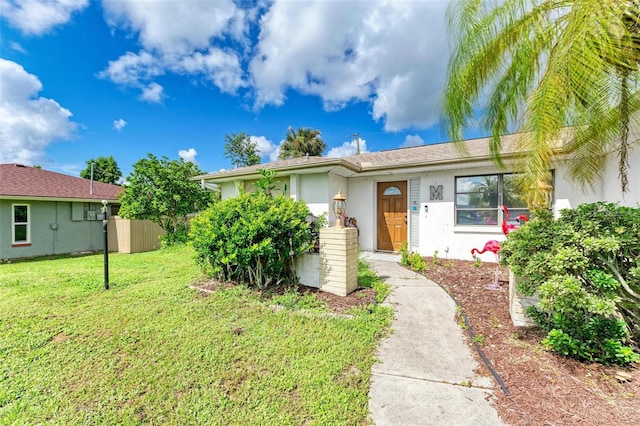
(426, 165)
(75, 200)
(334, 165)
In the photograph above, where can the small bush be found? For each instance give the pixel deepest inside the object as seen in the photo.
(252, 238)
(178, 236)
(583, 267)
(368, 278)
(404, 254)
(417, 262)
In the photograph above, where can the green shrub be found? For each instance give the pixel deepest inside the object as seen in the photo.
(584, 267)
(417, 262)
(436, 260)
(368, 278)
(404, 254)
(177, 236)
(252, 238)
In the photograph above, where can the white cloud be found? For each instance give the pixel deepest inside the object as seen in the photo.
(169, 26)
(392, 54)
(412, 140)
(153, 93)
(36, 17)
(131, 68)
(266, 148)
(17, 47)
(119, 124)
(179, 40)
(221, 67)
(28, 123)
(188, 155)
(348, 149)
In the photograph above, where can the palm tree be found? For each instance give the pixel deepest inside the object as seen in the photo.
(544, 65)
(302, 142)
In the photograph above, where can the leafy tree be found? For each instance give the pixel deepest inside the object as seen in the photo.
(545, 65)
(302, 142)
(161, 190)
(241, 150)
(105, 169)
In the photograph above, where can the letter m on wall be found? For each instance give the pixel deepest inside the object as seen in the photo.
(435, 192)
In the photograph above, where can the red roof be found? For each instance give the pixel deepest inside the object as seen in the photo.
(17, 180)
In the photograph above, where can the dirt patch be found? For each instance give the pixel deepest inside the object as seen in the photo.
(545, 389)
(361, 297)
(60, 338)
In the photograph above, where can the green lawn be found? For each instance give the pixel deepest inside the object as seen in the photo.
(151, 350)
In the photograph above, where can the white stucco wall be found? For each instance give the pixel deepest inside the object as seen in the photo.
(568, 194)
(437, 228)
(361, 205)
(438, 231)
(228, 190)
(611, 184)
(314, 190)
(338, 183)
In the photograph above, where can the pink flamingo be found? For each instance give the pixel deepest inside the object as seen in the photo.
(508, 227)
(494, 247)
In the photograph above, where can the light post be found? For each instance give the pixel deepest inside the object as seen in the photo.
(339, 207)
(106, 244)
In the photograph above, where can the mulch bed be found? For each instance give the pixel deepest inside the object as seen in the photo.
(545, 389)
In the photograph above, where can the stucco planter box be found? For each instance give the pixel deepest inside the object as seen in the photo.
(518, 304)
(307, 269)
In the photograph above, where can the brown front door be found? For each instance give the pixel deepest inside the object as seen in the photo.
(392, 215)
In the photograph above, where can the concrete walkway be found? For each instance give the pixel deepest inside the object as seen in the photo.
(425, 367)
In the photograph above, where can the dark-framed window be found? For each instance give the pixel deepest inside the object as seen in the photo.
(20, 224)
(479, 198)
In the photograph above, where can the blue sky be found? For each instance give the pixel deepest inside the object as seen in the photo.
(81, 79)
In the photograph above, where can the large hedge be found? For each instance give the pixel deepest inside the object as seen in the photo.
(252, 238)
(585, 267)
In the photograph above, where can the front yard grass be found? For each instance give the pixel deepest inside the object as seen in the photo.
(151, 350)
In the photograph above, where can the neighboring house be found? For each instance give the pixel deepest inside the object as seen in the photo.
(430, 195)
(43, 212)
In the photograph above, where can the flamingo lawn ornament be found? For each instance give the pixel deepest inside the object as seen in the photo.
(494, 247)
(508, 227)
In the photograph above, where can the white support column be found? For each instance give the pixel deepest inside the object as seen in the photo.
(294, 186)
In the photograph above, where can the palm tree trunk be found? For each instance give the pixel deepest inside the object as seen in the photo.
(623, 150)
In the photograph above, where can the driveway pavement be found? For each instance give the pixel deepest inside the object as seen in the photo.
(425, 374)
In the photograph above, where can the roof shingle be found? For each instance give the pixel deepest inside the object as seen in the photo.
(446, 152)
(17, 180)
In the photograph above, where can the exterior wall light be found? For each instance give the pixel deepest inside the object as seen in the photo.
(339, 207)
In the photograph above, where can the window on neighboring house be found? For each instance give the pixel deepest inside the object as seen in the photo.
(20, 230)
(479, 198)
